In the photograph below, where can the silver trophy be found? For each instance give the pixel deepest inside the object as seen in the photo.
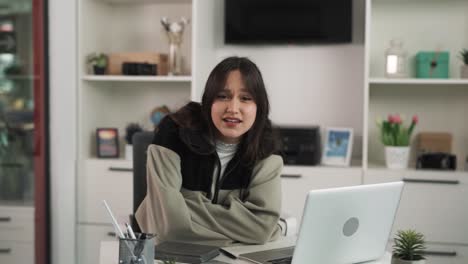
(174, 32)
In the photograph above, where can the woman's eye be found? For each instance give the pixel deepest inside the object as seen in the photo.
(246, 98)
(221, 96)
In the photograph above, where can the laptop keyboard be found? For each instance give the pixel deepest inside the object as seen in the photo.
(286, 260)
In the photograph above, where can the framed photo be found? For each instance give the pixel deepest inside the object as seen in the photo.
(107, 142)
(338, 146)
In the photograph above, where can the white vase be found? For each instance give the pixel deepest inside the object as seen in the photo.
(397, 157)
(396, 260)
(128, 152)
(464, 71)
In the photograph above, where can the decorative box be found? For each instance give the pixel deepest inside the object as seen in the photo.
(432, 64)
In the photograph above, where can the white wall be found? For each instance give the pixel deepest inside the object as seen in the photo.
(62, 90)
(310, 84)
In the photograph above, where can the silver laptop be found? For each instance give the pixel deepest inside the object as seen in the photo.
(341, 225)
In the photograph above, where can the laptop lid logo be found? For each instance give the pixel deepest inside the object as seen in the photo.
(350, 227)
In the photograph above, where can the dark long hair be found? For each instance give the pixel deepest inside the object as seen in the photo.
(260, 140)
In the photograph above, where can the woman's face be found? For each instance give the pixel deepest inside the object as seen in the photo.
(233, 111)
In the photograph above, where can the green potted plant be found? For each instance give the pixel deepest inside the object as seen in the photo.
(99, 62)
(464, 67)
(396, 139)
(408, 248)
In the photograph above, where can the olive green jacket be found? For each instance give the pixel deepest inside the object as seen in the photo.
(177, 214)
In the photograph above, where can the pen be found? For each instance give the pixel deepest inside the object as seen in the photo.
(114, 222)
(130, 231)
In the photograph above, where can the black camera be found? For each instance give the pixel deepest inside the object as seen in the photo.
(134, 68)
(437, 161)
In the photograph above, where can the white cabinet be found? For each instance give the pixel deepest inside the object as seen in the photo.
(17, 223)
(434, 203)
(16, 252)
(297, 181)
(442, 253)
(446, 254)
(89, 241)
(110, 180)
(16, 234)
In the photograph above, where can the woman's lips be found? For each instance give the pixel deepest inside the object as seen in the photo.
(232, 121)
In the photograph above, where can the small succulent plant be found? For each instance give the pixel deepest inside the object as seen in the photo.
(98, 60)
(409, 245)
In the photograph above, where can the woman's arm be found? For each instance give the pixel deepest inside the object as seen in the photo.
(164, 210)
(253, 221)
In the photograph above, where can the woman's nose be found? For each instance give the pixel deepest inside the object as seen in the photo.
(233, 106)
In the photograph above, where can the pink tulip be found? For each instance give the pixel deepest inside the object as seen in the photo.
(397, 119)
(390, 119)
(415, 119)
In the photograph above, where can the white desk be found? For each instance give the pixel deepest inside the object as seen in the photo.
(109, 254)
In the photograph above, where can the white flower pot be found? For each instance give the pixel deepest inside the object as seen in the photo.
(396, 260)
(128, 152)
(464, 71)
(397, 157)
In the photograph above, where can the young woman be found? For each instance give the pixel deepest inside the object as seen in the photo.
(212, 174)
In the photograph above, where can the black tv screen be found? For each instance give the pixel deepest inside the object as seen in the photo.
(288, 21)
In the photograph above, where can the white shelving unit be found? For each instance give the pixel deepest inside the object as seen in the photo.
(437, 102)
(432, 202)
(115, 101)
(447, 82)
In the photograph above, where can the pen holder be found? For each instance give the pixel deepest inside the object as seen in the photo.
(137, 251)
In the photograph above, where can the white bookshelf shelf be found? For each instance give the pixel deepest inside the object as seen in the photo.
(137, 2)
(121, 78)
(419, 81)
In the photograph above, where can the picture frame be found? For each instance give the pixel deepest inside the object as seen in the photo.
(107, 142)
(338, 146)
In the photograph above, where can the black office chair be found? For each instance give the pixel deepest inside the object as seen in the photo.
(141, 141)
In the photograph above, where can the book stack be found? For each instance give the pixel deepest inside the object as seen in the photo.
(185, 252)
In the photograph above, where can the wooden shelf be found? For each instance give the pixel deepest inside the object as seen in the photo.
(415, 81)
(122, 78)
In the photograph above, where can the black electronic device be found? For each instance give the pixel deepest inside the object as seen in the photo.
(300, 145)
(437, 161)
(288, 21)
(136, 68)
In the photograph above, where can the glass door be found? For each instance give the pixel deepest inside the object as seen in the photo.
(23, 123)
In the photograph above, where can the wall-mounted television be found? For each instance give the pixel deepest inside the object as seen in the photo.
(287, 21)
